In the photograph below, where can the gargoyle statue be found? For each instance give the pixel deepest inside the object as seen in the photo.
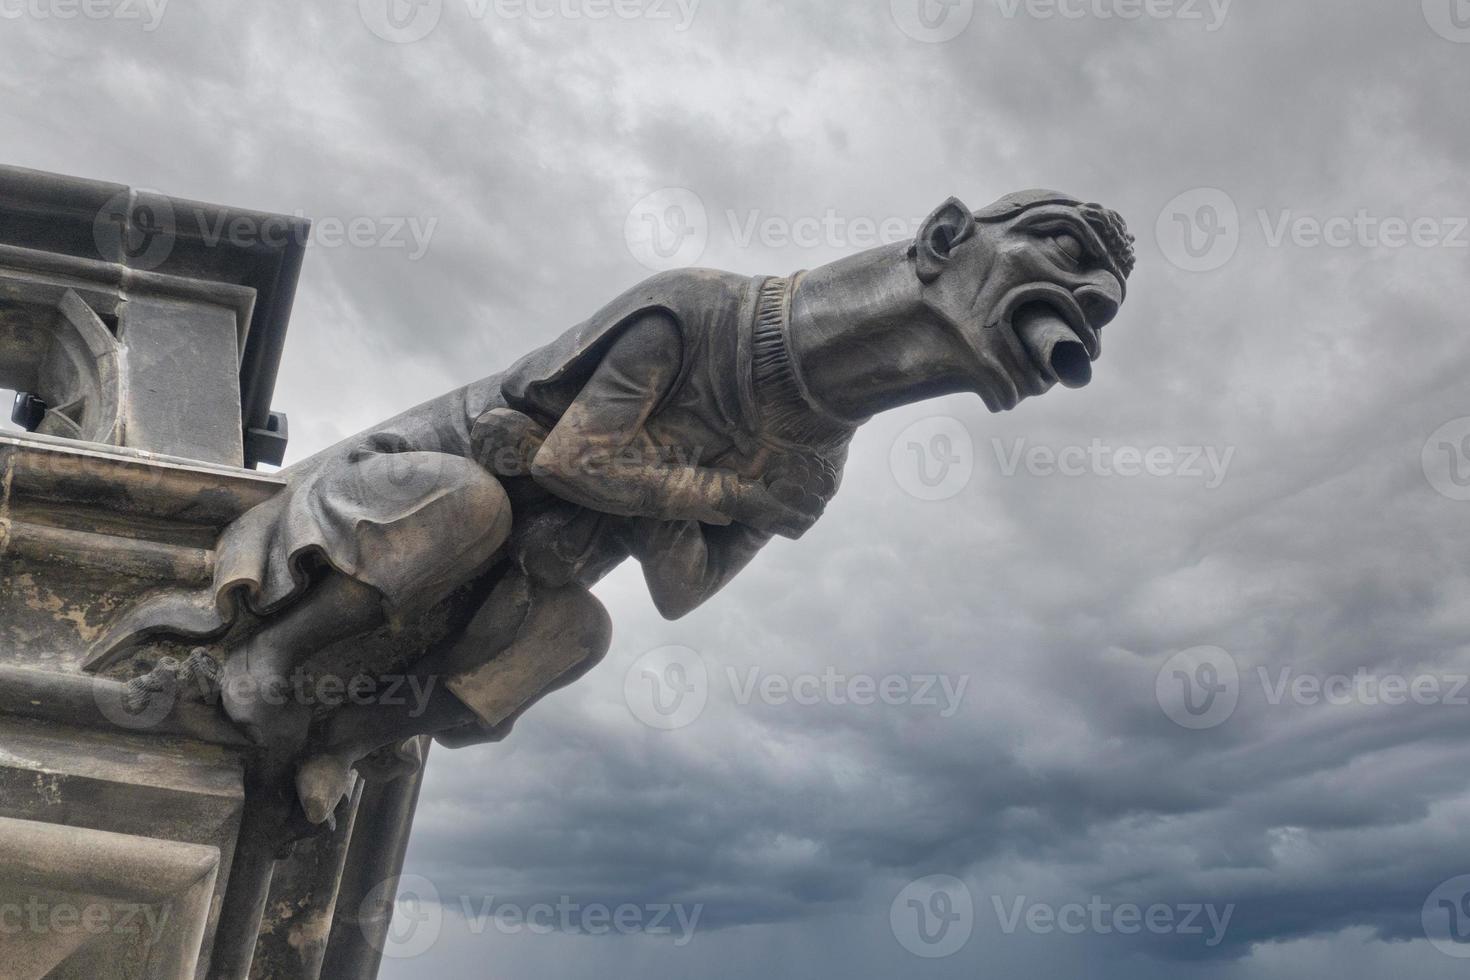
(684, 425)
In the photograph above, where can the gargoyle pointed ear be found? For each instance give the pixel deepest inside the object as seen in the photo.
(951, 224)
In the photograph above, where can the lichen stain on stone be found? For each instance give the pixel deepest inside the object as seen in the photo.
(39, 598)
(310, 934)
(48, 788)
(274, 915)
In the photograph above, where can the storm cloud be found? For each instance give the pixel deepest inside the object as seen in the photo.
(1267, 470)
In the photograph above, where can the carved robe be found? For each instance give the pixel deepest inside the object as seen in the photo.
(721, 399)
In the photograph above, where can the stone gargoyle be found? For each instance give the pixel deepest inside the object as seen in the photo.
(684, 425)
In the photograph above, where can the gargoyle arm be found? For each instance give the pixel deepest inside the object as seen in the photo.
(601, 457)
(685, 563)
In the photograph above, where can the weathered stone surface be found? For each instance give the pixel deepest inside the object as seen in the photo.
(91, 905)
(124, 799)
(86, 529)
(196, 298)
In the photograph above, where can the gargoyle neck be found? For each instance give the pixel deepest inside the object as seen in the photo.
(863, 341)
(788, 410)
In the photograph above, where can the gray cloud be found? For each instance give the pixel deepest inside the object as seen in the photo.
(1323, 551)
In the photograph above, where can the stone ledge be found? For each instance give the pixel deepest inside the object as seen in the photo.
(128, 482)
(86, 530)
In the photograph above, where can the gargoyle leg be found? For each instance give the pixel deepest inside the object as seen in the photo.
(255, 683)
(358, 730)
(526, 642)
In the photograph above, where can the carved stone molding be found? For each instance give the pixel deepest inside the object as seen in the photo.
(81, 904)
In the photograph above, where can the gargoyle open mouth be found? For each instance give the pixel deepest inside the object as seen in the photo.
(1055, 333)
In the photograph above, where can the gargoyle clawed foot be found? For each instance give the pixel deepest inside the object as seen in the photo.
(193, 679)
(324, 779)
(321, 783)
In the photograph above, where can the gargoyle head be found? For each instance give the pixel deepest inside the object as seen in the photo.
(1026, 285)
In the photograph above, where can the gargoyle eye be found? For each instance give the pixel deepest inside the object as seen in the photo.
(1070, 244)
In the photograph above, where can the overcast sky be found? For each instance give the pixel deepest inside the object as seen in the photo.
(1113, 714)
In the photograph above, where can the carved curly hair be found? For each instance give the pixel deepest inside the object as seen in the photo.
(1108, 224)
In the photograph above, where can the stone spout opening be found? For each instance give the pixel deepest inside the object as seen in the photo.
(1053, 345)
